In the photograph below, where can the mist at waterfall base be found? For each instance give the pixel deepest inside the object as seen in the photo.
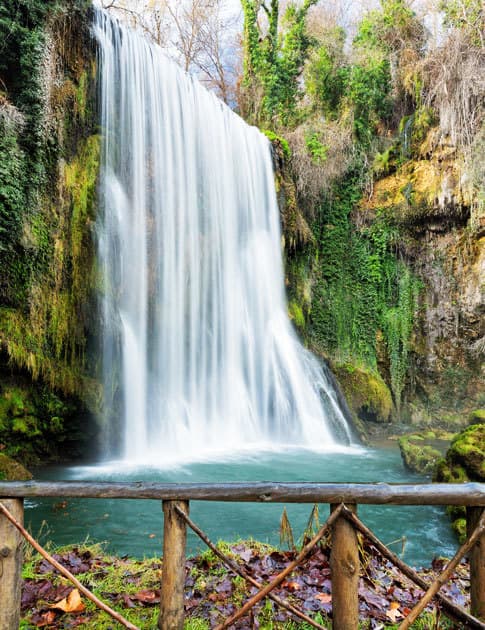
(199, 354)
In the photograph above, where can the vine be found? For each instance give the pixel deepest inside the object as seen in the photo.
(273, 61)
(362, 291)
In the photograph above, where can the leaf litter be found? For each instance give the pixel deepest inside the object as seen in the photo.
(212, 592)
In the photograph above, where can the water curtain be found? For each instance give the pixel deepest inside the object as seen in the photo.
(199, 353)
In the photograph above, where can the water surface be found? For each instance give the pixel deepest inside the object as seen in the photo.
(134, 527)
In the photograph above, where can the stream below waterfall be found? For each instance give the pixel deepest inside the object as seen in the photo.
(135, 527)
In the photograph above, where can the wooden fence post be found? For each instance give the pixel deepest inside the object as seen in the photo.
(477, 565)
(11, 557)
(173, 568)
(344, 564)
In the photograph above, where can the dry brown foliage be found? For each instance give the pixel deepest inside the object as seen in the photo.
(454, 85)
(312, 177)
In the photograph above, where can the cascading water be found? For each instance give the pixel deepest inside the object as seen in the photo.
(196, 333)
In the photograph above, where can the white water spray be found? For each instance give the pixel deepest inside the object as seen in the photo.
(197, 338)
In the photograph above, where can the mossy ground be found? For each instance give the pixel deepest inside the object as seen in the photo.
(132, 587)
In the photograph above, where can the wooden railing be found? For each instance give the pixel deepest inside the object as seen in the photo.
(343, 524)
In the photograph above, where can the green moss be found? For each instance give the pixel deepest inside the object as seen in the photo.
(421, 458)
(367, 394)
(464, 461)
(28, 425)
(468, 450)
(459, 527)
(81, 176)
(380, 165)
(11, 470)
(28, 348)
(49, 339)
(82, 95)
(37, 426)
(278, 140)
(47, 204)
(295, 313)
(446, 474)
(477, 416)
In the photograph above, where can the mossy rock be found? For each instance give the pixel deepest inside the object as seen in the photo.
(468, 449)
(459, 526)
(10, 470)
(449, 474)
(477, 416)
(464, 461)
(419, 457)
(366, 392)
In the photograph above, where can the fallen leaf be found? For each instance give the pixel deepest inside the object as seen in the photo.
(147, 597)
(70, 604)
(128, 602)
(291, 586)
(46, 619)
(394, 613)
(325, 598)
(243, 553)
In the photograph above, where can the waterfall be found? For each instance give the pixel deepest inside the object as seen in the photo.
(199, 354)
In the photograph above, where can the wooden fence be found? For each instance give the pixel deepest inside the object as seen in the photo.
(343, 524)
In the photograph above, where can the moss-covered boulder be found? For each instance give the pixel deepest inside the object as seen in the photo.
(10, 470)
(368, 396)
(421, 452)
(464, 461)
(477, 416)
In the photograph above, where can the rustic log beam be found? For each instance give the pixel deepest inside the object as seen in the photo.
(344, 564)
(11, 558)
(173, 568)
(477, 564)
(472, 494)
(454, 611)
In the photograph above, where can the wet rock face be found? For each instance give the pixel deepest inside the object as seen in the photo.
(450, 340)
(433, 201)
(443, 229)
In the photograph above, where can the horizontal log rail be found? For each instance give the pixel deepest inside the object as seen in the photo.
(470, 494)
(342, 524)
